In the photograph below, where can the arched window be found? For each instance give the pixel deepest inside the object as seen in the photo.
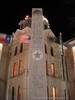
(19, 93)
(14, 70)
(15, 51)
(52, 53)
(20, 67)
(12, 93)
(21, 47)
(54, 93)
(45, 48)
(53, 69)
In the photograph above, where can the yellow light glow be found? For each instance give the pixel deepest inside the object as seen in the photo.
(73, 49)
(27, 17)
(54, 93)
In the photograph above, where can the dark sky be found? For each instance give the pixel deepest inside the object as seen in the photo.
(60, 13)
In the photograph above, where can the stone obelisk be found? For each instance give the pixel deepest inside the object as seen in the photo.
(37, 83)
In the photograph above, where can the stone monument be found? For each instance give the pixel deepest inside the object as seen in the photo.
(37, 82)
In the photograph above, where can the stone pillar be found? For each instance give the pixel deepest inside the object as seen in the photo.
(37, 83)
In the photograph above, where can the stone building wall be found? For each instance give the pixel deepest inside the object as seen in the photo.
(57, 80)
(21, 80)
(70, 73)
(4, 70)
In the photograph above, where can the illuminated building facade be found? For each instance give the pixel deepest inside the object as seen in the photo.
(4, 63)
(70, 65)
(58, 86)
(60, 76)
(19, 72)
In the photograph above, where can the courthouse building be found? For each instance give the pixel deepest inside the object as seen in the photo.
(56, 73)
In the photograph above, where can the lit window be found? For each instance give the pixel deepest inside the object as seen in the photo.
(52, 53)
(53, 69)
(19, 93)
(14, 70)
(21, 47)
(54, 93)
(20, 67)
(15, 51)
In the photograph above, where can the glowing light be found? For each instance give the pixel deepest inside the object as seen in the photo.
(27, 17)
(1, 46)
(73, 49)
(54, 93)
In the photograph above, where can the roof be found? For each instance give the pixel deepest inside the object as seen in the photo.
(70, 42)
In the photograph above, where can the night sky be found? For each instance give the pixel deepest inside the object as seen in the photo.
(60, 13)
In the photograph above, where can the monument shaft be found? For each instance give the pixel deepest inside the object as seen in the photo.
(37, 83)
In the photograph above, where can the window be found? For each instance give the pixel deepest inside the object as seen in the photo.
(20, 67)
(15, 51)
(48, 92)
(65, 93)
(45, 48)
(14, 70)
(21, 47)
(12, 93)
(53, 69)
(54, 93)
(46, 68)
(52, 53)
(19, 93)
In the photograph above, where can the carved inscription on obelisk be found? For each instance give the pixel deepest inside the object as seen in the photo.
(37, 83)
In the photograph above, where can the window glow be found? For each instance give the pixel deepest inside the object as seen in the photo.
(20, 67)
(73, 49)
(53, 69)
(54, 93)
(1, 46)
